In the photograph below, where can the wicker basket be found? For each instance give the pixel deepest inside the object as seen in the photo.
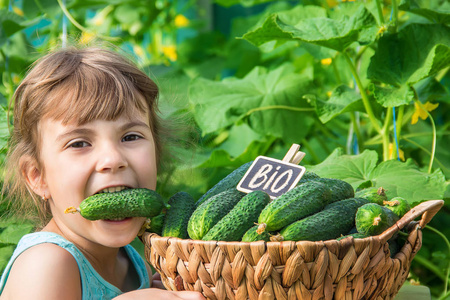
(345, 269)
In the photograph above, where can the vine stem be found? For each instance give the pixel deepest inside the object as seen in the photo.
(384, 133)
(395, 15)
(285, 107)
(441, 165)
(365, 99)
(81, 27)
(448, 246)
(380, 12)
(433, 126)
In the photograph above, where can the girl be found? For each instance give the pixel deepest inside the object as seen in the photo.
(85, 122)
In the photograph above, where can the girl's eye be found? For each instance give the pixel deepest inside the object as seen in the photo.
(131, 137)
(79, 144)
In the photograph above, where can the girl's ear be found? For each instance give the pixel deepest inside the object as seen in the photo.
(33, 175)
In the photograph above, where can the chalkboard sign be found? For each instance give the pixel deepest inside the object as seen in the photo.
(273, 176)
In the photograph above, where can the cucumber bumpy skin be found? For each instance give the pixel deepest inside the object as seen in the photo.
(139, 202)
(182, 205)
(243, 216)
(211, 211)
(340, 189)
(373, 194)
(400, 206)
(252, 235)
(334, 220)
(373, 219)
(303, 200)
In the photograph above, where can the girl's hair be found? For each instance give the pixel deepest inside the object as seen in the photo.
(74, 85)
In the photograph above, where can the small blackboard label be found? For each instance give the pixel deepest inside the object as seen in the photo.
(273, 176)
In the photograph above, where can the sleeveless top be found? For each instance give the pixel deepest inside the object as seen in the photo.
(92, 284)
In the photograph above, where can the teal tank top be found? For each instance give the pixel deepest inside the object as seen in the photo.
(92, 284)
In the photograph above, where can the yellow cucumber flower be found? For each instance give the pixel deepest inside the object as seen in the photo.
(170, 52)
(326, 61)
(421, 113)
(181, 21)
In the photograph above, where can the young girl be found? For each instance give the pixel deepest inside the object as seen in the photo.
(85, 122)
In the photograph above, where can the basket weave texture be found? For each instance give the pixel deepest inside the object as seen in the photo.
(345, 269)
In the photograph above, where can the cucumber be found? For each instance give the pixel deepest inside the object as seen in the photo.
(400, 206)
(373, 194)
(373, 219)
(334, 220)
(211, 211)
(252, 235)
(138, 202)
(340, 189)
(243, 216)
(182, 205)
(230, 181)
(156, 224)
(308, 176)
(301, 201)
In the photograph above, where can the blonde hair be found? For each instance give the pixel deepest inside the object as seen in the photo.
(74, 85)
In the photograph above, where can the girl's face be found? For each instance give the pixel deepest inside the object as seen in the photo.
(81, 160)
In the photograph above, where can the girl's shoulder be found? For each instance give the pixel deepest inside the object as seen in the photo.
(45, 269)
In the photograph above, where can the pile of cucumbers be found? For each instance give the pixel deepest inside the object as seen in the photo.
(316, 209)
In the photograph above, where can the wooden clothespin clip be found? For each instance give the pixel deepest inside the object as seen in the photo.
(294, 156)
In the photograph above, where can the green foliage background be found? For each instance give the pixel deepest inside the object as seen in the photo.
(344, 79)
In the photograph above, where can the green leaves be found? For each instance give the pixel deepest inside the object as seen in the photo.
(11, 230)
(304, 26)
(392, 97)
(402, 179)
(10, 23)
(343, 99)
(4, 129)
(269, 101)
(228, 3)
(416, 52)
(438, 14)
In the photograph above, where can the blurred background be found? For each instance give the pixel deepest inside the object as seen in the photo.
(362, 86)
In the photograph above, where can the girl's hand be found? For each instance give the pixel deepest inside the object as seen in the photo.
(158, 294)
(156, 281)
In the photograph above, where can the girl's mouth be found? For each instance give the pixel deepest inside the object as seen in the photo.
(117, 220)
(113, 189)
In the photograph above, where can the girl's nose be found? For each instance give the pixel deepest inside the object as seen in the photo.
(111, 159)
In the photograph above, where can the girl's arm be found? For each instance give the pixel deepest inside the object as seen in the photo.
(158, 291)
(44, 271)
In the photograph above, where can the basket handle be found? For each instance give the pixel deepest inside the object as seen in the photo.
(425, 209)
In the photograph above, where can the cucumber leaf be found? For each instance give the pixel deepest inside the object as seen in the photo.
(4, 129)
(336, 34)
(392, 96)
(343, 99)
(14, 232)
(10, 23)
(245, 3)
(414, 53)
(402, 179)
(440, 14)
(268, 101)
